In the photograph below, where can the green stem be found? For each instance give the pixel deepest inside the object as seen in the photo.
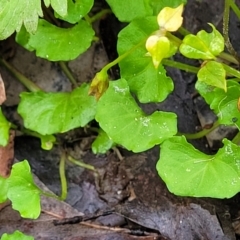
(228, 57)
(99, 15)
(63, 176)
(200, 134)
(183, 31)
(68, 73)
(88, 19)
(236, 139)
(231, 71)
(175, 39)
(121, 57)
(31, 86)
(235, 8)
(226, 30)
(81, 164)
(179, 65)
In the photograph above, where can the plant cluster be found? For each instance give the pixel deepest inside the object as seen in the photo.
(145, 46)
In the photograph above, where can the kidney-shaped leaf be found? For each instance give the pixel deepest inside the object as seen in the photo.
(57, 44)
(203, 46)
(148, 83)
(16, 235)
(59, 6)
(22, 191)
(125, 123)
(14, 14)
(214, 74)
(189, 172)
(49, 113)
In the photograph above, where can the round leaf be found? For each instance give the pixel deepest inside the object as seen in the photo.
(4, 129)
(189, 172)
(57, 44)
(214, 74)
(148, 83)
(202, 46)
(23, 193)
(16, 235)
(126, 124)
(49, 113)
(3, 189)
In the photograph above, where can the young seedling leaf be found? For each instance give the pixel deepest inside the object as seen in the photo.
(49, 113)
(76, 10)
(14, 14)
(59, 6)
(102, 143)
(214, 74)
(16, 235)
(126, 124)
(3, 189)
(4, 129)
(57, 44)
(127, 10)
(224, 104)
(203, 46)
(23, 193)
(189, 172)
(148, 83)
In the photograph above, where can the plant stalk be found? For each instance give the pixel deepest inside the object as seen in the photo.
(81, 164)
(63, 176)
(179, 65)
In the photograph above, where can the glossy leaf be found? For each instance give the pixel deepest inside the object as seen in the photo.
(214, 74)
(76, 10)
(23, 193)
(3, 189)
(127, 10)
(57, 44)
(16, 235)
(49, 113)
(170, 18)
(126, 124)
(102, 143)
(203, 45)
(189, 172)
(14, 14)
(59, 6)
(4, 129)
(224, 104)
(148, 83)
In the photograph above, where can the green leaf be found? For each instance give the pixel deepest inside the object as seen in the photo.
(59, 6)
(4, 129)
(203, 46)
(15, 13)
(57, 44)
(16, 235)
(214, 74)
(126, 124)
(148, 83)
(3, 189)
(189, 172)
(76, 10)
(49, 113)
(102, 143)
(23, 193)
(157, 5)
(224, 104)
(127, 10)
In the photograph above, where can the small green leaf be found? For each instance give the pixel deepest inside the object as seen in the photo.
(57, 44)
(102, 143)
(47, 141)
(23, 193)
(16, 235)
(49, 113)
(126, 124)
(14, 14)
(214, 74)
(4, 129)
(148, 83)
(3, 189)
(189, 172)
(224, 104)
(127, 10)
(59, 6)
(203, 46)
(76, 10)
